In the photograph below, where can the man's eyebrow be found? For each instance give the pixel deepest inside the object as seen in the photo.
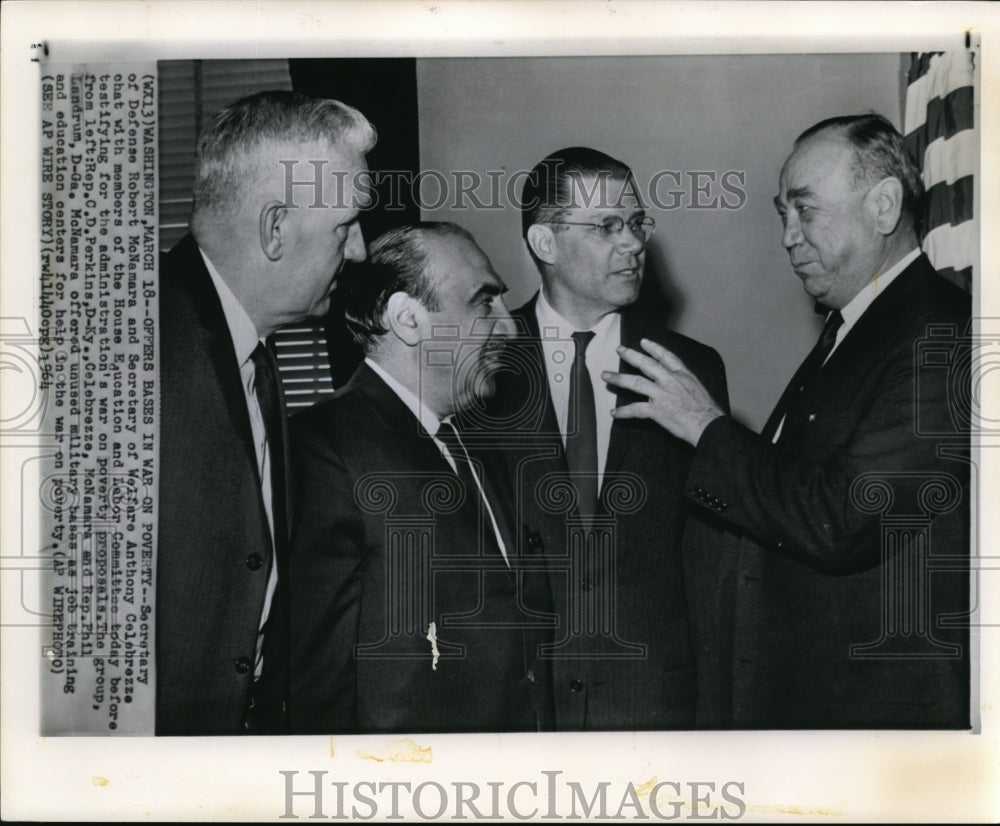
(792, 194)
(490, 288)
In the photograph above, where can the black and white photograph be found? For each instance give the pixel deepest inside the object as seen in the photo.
(498, 411)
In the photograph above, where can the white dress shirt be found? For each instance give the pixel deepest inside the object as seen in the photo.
(244, 336)
(432, 424)
(559, 351)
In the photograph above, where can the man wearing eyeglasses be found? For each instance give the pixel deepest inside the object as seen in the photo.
(605, 496)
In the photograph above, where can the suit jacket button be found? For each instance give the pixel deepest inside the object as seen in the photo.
(243, 665)
(534, 540)
(576, 686)
(531, 676)
(254, 562)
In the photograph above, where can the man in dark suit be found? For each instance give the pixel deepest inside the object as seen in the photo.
(842, 600)
(412, 611)
(255, 260)
(606, 497)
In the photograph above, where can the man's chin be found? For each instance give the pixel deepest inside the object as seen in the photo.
(476, 392)
(320, 309)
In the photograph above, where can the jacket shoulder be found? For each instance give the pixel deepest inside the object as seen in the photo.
(341, 416)
(695, 354)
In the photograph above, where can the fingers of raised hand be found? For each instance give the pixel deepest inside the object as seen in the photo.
(629, 381)
(662, 355)
(636, 410)
(648, 364)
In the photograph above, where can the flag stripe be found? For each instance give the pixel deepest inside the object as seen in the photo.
(920, 65)
(945, 117)
(948, 71)
(949, 160)
(960, 278)
(941, 133)
(948, 204)
(953, 247)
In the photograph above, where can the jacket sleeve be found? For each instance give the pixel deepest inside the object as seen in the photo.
(814, 510)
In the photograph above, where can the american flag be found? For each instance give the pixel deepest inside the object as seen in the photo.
(942, 132)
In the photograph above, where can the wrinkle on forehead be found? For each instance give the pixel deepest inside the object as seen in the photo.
(820, 160)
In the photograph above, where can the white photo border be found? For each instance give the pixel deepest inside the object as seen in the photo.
(787, 777)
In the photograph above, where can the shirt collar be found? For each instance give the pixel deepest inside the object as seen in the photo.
(857, 305)
(241, 329)
(548, 317)
(427, 418)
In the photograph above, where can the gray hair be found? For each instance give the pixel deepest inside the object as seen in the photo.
(879, 152)
(229, 161)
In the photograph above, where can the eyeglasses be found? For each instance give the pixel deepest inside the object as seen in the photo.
(611, 228)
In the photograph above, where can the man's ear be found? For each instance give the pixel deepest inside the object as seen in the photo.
(273, 229)
(542, 241)
(886, 199)
(405, 317)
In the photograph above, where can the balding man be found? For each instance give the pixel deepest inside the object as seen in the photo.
(412, 609)
(843, 602)
(255, 260)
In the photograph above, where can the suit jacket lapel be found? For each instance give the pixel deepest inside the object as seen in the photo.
(888, 310)
(527, 324)
(622, 431)
(221, 352)
(866, 337)
(393, 414)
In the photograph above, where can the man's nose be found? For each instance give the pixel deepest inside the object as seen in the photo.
(792, 232)
(631, 240)
(504, 325)
(354, 249)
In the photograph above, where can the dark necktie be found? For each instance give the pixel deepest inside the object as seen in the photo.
(266, 710)
(581, 429)
(800, 388)
(265, 387)
(474, 500)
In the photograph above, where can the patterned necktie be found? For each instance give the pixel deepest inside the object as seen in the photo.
(799, 390)
(581, 429)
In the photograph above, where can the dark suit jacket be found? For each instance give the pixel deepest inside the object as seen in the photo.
(379, 552)
(796, 576)
(213, 532)
(647, 681)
